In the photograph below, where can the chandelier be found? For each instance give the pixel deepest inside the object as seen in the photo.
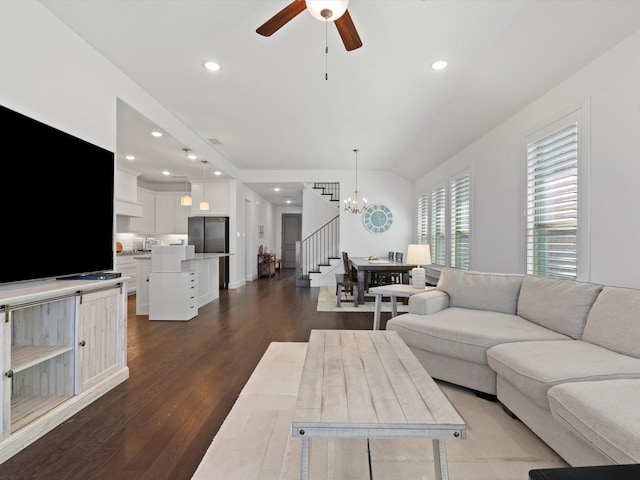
(352, 206)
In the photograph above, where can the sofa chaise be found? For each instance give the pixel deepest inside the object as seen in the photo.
(561, 355)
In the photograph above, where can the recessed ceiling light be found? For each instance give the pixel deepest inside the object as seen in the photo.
(439, 65)
(277, 189)
(191, 156)
(166, 172)
(211, 66)
(217, 172)
(288, 201)
(130, 157)
(156, 134)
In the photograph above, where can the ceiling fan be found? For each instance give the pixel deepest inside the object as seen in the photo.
(326, 10)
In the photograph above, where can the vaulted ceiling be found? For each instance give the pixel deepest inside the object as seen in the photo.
(270, 106)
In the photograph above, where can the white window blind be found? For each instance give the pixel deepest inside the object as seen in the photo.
(552, 204)
(460, 228)
(438, 225)
(423, 219)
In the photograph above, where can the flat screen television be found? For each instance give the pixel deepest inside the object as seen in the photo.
(57, 202)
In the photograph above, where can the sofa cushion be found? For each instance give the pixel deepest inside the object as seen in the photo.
(483, 291)
(535, 367)
(614, 321)
(604, 413)
(466, 333)
(561, 305)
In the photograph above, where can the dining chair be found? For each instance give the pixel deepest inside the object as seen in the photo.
(396, 277)
(346, 282)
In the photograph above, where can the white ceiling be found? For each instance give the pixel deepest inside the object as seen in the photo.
(271, 108)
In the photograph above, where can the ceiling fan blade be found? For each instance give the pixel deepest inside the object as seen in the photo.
(348, 32)
(280, 19)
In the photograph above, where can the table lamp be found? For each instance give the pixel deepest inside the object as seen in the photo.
(419, 255)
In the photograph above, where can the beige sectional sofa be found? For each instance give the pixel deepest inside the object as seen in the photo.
(563, 356)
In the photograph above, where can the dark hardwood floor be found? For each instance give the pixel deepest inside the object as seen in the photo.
(184, 379)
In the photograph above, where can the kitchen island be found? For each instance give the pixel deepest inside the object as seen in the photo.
(170, 298)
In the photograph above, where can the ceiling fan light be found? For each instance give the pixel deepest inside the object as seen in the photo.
(337, 8)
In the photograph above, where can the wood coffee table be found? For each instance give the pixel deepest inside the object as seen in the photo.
(368, 384)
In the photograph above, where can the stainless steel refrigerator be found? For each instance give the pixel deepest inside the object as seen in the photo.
(211, 235)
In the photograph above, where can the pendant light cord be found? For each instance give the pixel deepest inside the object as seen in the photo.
(326, 49)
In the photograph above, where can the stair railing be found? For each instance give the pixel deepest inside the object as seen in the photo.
(329, 188)
(318, 248)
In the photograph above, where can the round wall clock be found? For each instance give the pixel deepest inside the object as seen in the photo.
(377, 218)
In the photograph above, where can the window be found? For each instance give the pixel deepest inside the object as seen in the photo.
(438, 225)
(554, 158)
(423, 219)
(459, 224)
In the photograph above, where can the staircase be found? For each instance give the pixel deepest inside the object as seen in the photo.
(319, 253)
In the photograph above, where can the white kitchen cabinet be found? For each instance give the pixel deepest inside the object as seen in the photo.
(146, 223)
(170, 217)
(126, 188)
(173, 295)
(100, 345)
(143, 269)
(126, 265)
(216, 193)
(63, 345)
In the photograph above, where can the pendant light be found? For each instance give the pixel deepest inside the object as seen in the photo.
(204, 205)
(186, 200)
(352, 206)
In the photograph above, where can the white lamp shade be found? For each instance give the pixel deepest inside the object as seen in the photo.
(419, 254)
(337, 7)
(186, 201)
(204, 205)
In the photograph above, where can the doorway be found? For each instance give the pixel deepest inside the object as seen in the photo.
(291, 233)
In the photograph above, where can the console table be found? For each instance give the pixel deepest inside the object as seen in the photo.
(266, 264)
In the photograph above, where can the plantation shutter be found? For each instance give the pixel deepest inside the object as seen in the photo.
(460, 204)
(423, 219)
(552, 204)
(438, 225)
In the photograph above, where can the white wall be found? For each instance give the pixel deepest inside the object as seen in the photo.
(377, 187)
(610, 84)
(262, 212)
(317, 212)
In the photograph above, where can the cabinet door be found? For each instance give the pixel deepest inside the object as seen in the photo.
(126, 265)
(39, 338)
(216, 193)
(146, 223)
(100, 335)
(165, 212)
(171, 217)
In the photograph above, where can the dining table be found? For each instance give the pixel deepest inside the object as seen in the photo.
(365, 266)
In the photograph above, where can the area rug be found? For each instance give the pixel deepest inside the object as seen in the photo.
(327, 302)
(255, 442)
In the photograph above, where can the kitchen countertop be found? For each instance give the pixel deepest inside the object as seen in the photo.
(129, 253)
(198, 256)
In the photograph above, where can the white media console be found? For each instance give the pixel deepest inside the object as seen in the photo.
(63, 345)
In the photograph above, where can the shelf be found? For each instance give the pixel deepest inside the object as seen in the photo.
(26, 408)
(23, 357)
